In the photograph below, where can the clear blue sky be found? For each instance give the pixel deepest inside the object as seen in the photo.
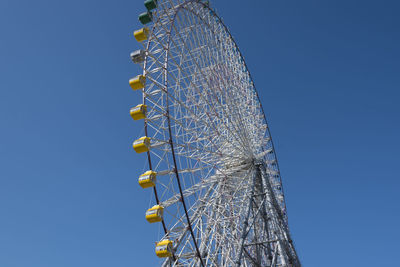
(328, 76)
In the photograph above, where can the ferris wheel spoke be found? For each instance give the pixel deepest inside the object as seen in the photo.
(195, 87)
(162, 145)
(178, 65)
(202, 119)
(215, 207)
(179, 103)
(176, 198)
(209, 183)
(225, 113)
(219, 208)
(179, 239)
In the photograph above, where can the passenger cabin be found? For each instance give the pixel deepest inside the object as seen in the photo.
(138, 82)
(150, 4)
(142, 144)
(146, 17)
(155, 214)
(138, 56)
(164, 248)
(138, 112)
(141, 34)
(148, 179)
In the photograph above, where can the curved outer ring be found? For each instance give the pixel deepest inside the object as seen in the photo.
(181, 6)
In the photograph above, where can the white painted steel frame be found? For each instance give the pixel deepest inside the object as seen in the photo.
(217, 173)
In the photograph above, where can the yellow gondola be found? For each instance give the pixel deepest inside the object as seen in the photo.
(164, 248)
(148, 179)
(137, 82)
(141, 34)
(138, 112)
(142, 144)
(155, 214)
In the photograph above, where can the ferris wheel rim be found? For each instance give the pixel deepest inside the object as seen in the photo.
(181, 6)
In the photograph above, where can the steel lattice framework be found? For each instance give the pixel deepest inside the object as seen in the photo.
(217, 174)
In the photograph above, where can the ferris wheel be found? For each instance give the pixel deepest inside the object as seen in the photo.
(211, 164)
